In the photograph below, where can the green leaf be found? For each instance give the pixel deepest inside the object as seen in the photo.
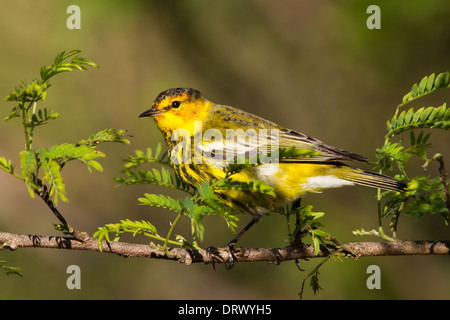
(430, 117)
(412, 138)
(67, 152)
(430, 82)
(42, 116)
(417, 115)
(52, 176)
(424, 196)
(10, 270)
(107, 135)
(314, 283)
(316, 246)
(321, 233)
(94, 164)
(425, 139)
(423, 84)
(28, 164)
(426, 86)
(409, 115)
(6, 165)
(59, 66)
(142, 158)
(425, 114)
(442, 80)
(161, 178)
(414, 90)
(161, 201)
(135, 227)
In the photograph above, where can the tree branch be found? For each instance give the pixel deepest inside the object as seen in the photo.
(216, 255)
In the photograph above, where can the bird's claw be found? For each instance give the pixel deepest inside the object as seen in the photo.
(229, 263)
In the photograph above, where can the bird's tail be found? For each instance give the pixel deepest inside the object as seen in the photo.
(375, 180)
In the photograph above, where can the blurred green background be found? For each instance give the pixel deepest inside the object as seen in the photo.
(312, 66)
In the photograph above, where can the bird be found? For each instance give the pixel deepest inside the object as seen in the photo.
(196, 132)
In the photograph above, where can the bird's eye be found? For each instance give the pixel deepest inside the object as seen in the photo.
(175, 104)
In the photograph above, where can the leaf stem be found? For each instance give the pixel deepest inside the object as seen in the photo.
(171, 230)
(194, 238)
(25, 125)
(166, 241)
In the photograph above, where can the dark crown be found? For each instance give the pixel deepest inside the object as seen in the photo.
(176, 92)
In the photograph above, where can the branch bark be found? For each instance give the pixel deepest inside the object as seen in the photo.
(217, 255)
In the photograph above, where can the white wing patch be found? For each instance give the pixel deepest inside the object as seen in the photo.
(324, 182)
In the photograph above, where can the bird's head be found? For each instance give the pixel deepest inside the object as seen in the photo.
(178, 108)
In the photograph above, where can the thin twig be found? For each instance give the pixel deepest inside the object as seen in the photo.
(314, 271)
(44, 194)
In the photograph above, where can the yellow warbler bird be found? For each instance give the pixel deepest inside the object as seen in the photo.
(203, 138)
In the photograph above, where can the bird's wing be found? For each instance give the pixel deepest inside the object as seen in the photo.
(291, 146)
(250, 140)
(323, 153)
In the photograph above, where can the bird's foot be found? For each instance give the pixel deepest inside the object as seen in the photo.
(229, 263)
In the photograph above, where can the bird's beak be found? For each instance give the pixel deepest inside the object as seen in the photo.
(151, 112)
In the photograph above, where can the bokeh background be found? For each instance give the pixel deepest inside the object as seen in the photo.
(312, 66)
